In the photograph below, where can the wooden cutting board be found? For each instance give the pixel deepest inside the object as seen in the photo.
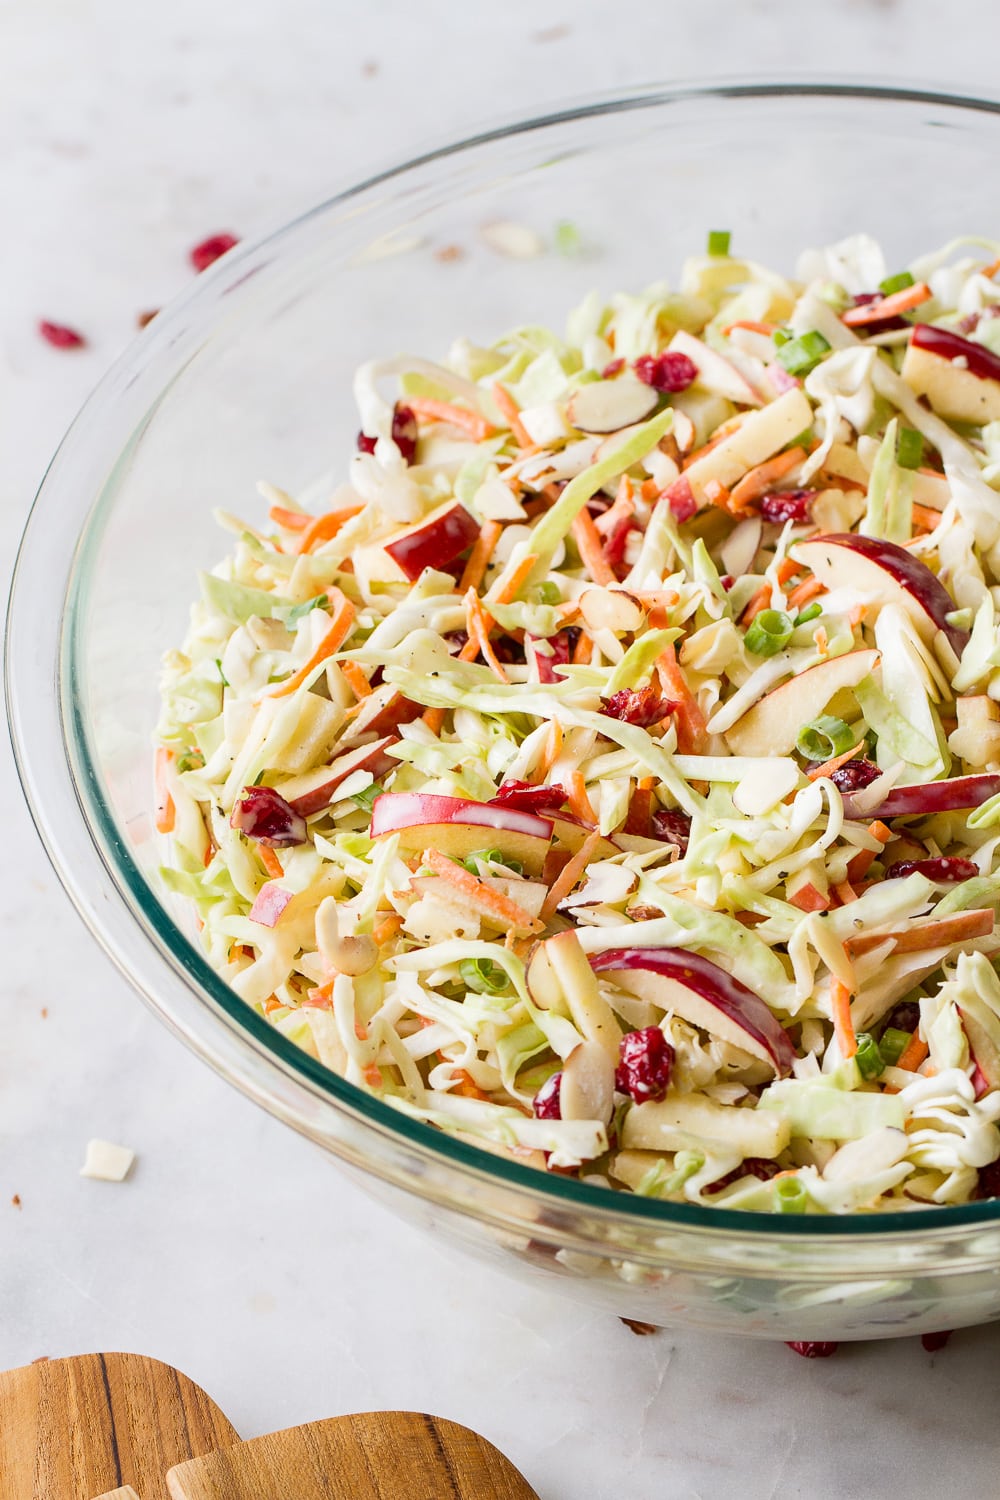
(384, 1455)
(71, 1429)
(122, 1427)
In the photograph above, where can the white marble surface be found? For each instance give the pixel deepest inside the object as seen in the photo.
(128, 131)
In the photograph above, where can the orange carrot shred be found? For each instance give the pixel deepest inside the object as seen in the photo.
(758, 480)
(829, 766)
(692, 736)
(434, 719)
(478, 624)
(472, 422)
(760, 601)
(583, 650)
(913, 1054)
(271, 862)
(803, 592)
(843, 1026)
(356, 679)
(493, 901)
(591, 549)
(509, 408)
(324, 528)
(887, 307)
(926, 516)
(511, 585)
(291, 520)
(166, 812)
(580, 803)
(331, 642)
(482, 550)
(570, 873)
(864, 859)
(387, 929)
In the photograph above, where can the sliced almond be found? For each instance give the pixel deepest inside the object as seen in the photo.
(587, 1089)
(610, 609)
(606, 885)
(609, 405)
(345, 954)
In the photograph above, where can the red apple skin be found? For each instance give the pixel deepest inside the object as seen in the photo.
(270, 902)
(929, 797)
(433, 542)
(912, 576)
(739, 1004)
(457, 826)
(314, 790)
(941, 341)
(384, 710)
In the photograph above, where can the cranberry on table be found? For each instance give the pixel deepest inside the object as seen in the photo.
(60, 336)
(813, 1350)
(209, 251)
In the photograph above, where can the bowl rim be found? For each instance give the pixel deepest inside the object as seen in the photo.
(139, 915)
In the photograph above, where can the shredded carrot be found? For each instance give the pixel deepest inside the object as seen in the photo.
(926, 516)
(808, 898)
(843, 1026)
(434, 719)
(478, 624)
(553, 745)
(717, 494)
(482, 550)
(331, 642)
(372, 1076)
(509, 408)
(845, 892)
(829, 766)
(760, 601)
(918, 936)
(591, 549)
(990, 270)
(511, 585)
(467, 1086)
(320, 998)
(485, 897)
(583, 650)
(570, 873)
(913, 1054)
(692, 736)
(640, 807)
(887, 307)
(576, 795)
(386, 929)
(622, 510)
(291, 520)
(822, 640)
(470, 421)
(803, 592)
(166, 812)
(324, 528)
(864, 859)
(750, 326)
(272, 1003)
(356, 679)
(270, 861)
(757, 481)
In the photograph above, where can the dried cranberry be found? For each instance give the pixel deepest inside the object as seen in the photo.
(903, 1017)
(209, 251)
(932, 1342)
(404, 434)
(642, 706)
(727, 580)
(545, 1104)
(645, 1060)
(754, 1166)
(527, 798)
(945, 867)
(810, 1350)
(617, 540)
(788, 505)
(562, 645)
(666, 372)
(614, 368)
(853, 775)
(61, 337)
(264, 815)
(988, 1185)
(673, 827)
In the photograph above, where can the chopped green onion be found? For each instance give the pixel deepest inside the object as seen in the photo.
(366, 799)
(492, 857)
(222, 676)
(790, 1196)
(769, 632)
(190, 760)
(781, 336)
(297, 611)
(892, 1044)
(718, 241)
(909, 448)
(799, 356)
(548, 592)
(567, 238)
(869, 1057)
(897, 283)
(811, 612)
(483, 976)
(824, 738)
(802, 440)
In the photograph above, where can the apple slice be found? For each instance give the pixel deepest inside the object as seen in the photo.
(700, 992)
(715, 372)
(762, 434)
(434, 541)
(959, 377)
(314, 789)
(772, 726)
(569, 832)
(458, 827)
(682, 1120)
(925, 798)
(269, 904)
(382, 711)
(873, 566)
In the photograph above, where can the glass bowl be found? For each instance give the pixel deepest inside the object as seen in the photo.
(249, 376)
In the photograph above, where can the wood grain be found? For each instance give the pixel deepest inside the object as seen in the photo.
(395, 1455)
(71, 1429)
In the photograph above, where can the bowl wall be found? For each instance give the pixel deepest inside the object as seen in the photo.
(248, 378)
